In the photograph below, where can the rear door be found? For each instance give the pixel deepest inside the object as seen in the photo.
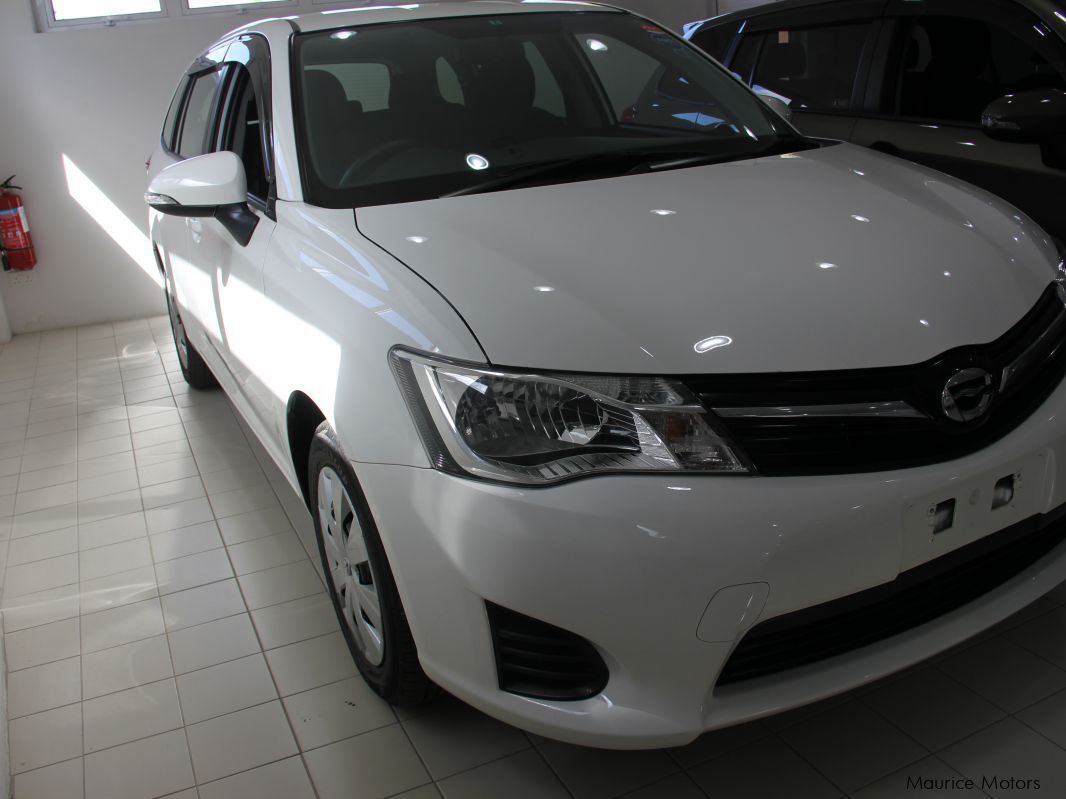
(941, 63)
(816, 59)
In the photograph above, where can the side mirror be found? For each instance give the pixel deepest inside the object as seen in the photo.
(779, 106)
(1032, 116)
(212, 185)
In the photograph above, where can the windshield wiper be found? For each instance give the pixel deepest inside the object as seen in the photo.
(790, 145)
(607, 163)
(622, 162)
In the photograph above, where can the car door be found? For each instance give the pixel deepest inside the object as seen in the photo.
(236, 269)
(195, 134)
(815, 58)
(943, 62)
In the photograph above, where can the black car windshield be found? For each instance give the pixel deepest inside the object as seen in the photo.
(413, 110)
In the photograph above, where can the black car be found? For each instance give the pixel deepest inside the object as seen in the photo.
(975, 88)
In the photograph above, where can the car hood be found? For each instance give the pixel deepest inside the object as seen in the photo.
(834, 258)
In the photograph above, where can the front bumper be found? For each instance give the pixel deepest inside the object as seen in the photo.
(632, 564)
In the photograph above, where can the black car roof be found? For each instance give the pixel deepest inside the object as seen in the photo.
(1043, 8)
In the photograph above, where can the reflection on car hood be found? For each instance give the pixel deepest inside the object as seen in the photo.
(835, 258)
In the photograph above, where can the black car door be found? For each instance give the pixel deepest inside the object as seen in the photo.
(940, 63)
(814, 58)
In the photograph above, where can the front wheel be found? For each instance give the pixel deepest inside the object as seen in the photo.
(359, 579)
(193, 368)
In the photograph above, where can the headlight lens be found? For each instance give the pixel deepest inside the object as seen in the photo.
(539, 429)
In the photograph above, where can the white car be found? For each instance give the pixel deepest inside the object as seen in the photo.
(618, 428)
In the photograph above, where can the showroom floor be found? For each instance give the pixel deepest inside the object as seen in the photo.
(165, 629)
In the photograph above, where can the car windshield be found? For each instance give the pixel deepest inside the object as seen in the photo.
(415, 110)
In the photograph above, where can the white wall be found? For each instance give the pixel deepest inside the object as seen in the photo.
(96, 96)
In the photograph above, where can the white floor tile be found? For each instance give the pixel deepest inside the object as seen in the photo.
(225, 688)
(125, 666)
(42, 546)
(114, 558)
(1008, 749)
(45, 738)
(172, 492)
(213, 642)
(281, 584)
(339, 710)
(381, 762)
(112, 530)
(240, 741)
(106, 484)
(199, 605)
(149, 767)
(41, 575)
(39, 608)
(1005, 674)
(520, 776)
(121, 625)
(285, 779)
(131, 714)
(592, 773)
(255, 524)
(266, 553)
(167, 471)
(180, 514)
(457, 739)
(43, 687)
(309, 664)
(294, 621)
(190, 571)
(60, 781)
(114, 590)
(185, 541)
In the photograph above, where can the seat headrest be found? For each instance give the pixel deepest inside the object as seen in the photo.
(324, 94)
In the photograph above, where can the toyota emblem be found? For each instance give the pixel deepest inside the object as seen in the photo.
(967, 395)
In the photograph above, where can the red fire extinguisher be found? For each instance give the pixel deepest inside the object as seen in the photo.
(15, 230)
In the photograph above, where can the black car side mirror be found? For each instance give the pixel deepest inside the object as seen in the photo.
(1032, 116)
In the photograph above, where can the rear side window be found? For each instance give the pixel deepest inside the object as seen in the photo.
(715, 39)
(197, 125)
(812, 69)
(953, 67)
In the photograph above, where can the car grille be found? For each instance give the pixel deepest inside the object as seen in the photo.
(915, 597)
(538, 660)
(877, 419)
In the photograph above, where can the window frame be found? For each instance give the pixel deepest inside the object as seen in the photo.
(211, 132)
(44, 15)
(237, 7)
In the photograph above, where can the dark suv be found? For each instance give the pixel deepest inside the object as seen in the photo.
(975, 89)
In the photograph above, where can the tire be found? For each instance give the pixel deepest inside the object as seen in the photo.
(193, 368)
(368, 605)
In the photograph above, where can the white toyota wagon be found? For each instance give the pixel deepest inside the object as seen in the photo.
(623, 411)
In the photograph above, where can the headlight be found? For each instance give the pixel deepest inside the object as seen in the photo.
(538, 429)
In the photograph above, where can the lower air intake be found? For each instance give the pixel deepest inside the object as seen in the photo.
(541, 661)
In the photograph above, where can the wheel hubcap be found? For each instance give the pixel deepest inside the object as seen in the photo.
(352, 577)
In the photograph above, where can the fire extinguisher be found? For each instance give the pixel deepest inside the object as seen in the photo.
(15, 238)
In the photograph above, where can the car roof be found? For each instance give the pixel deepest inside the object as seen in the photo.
(1041, 8)
(373, 14)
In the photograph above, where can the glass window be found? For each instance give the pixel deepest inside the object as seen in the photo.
(197, 124)
(419, 109)
(86, 9)
(812, 69)
(171, 122)
(366, 83)
(548, 96)
(715, 39)
(954, 67)
(195, 4)
(744, 61)
(623, 71)
(244, 134)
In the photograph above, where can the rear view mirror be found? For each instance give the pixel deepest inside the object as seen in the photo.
(1030, 116)
(778, 105)
(212, 185)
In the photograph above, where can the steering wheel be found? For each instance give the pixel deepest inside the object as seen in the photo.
(383, 151)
